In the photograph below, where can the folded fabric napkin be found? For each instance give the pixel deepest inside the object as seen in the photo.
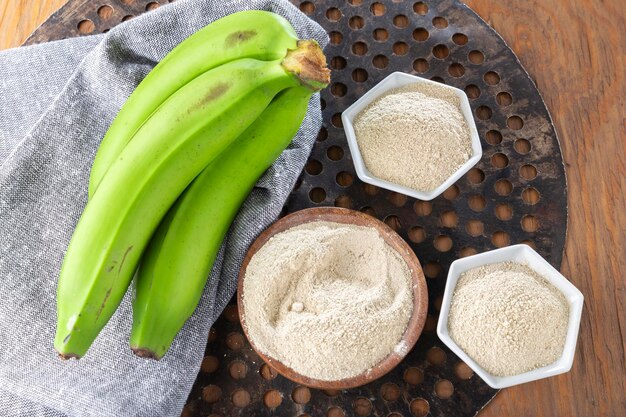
(56, 102)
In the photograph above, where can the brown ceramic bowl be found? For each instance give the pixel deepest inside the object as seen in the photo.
(420, 294)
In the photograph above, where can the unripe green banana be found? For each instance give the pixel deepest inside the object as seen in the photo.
(178, 141)
(248, 34)
(178, 261)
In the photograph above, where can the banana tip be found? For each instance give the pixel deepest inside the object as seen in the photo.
(146, 353)
(68, 356)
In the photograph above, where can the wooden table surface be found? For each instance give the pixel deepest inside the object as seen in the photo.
(575, 50)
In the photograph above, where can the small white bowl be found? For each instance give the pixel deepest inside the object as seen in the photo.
(395, 80)
(521, 254)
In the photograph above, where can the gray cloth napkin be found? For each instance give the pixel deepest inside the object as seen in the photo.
(56, 102)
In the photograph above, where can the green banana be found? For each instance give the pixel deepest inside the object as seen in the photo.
(178, 261)
(248, 34)
(177, 142)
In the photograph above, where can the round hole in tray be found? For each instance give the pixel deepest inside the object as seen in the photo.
(211, 393)
(400, 48)
(420, 34)
(460, 39)
(267, 373)
(440, 51)
(317, 194)
(476, 57)
(393, 221)
(397, 199)
(413, 376)
(474, 227)
(456, 70)
(476, 176)
(356, 22)
(530, 223)
(343, 201)
(444, 389)
(238, 369)
(504, 211)
(452, 192)
(440, 22)
(492, 78)
(272, 398)
(504, 99)
(301, 395)
(420, 8)
(359, 75)
(338, 89)
(422, 208)
(419, 407)
(503, 187)
(493, 137)
(344, 179)
(528, 172)
(500, 239)
(335, 412)
(86, 26)
(380, 61)
(333, 14)
(359, 48)
(463, 371)
(378, 9)
(400, 21)
(420, 65)
(390, 392)
(105, 12)
(335, 37)
(467, 251)
(380, 35)
(530, 196)
(449, 219)
(515, 122)
(362, 406)
(307, 7)
(209, 364)
(417, 234)
(472, 91)
(241, 398)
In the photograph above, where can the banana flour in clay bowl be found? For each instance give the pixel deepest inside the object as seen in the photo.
(331, 298)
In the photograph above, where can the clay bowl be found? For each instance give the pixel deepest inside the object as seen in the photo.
(420, 294)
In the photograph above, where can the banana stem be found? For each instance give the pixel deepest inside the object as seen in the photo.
(308, 63)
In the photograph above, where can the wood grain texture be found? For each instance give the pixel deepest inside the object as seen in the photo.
(578, 62)
(576, 52)
(18, 18)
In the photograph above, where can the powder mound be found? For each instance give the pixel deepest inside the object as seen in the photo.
(328, 300)
(415, 136)
(508, 318)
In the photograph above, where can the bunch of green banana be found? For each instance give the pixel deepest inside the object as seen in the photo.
(250, 34)
(155, 153)
(177, 263)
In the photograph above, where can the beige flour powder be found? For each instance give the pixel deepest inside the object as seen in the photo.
(508, 318)
(329, 300)
(415, 136)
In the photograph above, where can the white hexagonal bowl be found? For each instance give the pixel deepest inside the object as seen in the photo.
(395, 80)
(522, 254)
